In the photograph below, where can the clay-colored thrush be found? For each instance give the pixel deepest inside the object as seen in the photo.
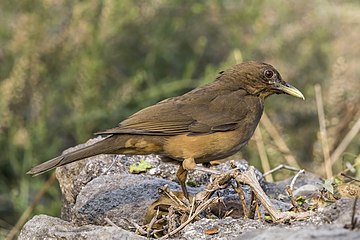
(208, 123)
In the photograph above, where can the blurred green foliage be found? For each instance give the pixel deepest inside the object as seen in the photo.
(70, 68)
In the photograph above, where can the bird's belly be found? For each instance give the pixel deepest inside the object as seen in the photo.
(204, 148)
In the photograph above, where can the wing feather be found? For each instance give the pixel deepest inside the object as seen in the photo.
(197, 112)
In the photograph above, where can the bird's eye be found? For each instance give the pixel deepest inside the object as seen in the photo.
(268, 73)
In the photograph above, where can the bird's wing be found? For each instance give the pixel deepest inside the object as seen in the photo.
(198, 112)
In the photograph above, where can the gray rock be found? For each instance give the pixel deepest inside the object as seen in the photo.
(76, 176)
(323, 232)
(229, 228)
(277, 190)
(101, 188)
(117, 197)
(46, 227)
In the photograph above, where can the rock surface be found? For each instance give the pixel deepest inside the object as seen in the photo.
(46, 227)
(99, 193)
(327, 224)
(253, 229)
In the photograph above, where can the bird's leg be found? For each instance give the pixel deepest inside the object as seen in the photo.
(189, 163)
(181, 174)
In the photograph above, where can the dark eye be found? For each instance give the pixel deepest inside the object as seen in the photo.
(268, 73)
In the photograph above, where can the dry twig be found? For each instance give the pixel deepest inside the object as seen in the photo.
(172, 196)
(202, 200)
(207, 170)
(350, 177)
(345, 142)
(199, 209)
(351, 167)
(29, 210)
(281, 166)
(323, 133)
(279, 141)
(111, 223)
(248, 177)
(302, 171)
(152, 222)
(241, 194)
(354, 219)
(139, 228)
(192, 207)
(290, 189)
(262, 153)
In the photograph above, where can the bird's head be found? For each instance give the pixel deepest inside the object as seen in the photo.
(260, 79)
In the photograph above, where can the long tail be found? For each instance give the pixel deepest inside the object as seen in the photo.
(107, 145)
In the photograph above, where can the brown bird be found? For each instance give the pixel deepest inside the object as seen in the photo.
(208, 123)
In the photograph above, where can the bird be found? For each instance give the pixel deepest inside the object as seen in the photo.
(209, 123)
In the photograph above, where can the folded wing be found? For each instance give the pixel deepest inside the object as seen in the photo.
(193, 113)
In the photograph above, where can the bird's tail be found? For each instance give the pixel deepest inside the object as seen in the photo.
(107, 145)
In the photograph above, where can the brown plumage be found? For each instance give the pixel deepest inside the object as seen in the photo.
(208, 123)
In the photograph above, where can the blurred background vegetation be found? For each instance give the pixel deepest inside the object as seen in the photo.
(71, 68)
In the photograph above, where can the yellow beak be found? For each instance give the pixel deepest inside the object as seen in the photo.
(291, 90)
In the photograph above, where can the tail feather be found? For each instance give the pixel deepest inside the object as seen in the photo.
(46, 166)
(108, 145)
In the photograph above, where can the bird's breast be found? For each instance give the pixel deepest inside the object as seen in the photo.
(217, 145)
